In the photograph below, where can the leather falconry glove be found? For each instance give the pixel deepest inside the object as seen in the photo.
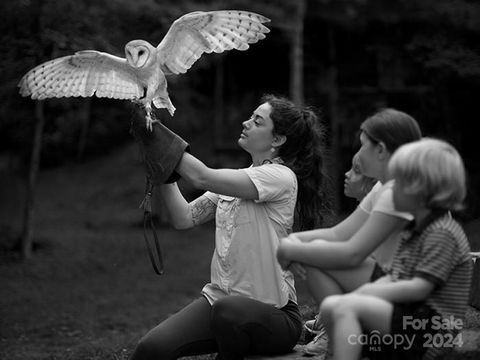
(161, 150)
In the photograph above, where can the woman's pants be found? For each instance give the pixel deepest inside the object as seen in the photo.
(233, 326)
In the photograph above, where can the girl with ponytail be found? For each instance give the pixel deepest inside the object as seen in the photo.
(249, 307)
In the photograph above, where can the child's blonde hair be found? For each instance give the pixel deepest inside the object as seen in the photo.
(432, 169)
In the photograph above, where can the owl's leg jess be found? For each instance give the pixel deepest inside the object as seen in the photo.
(148, 117)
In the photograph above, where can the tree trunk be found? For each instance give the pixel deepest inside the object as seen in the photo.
(335, 117)
(26, 239)
(296, 55)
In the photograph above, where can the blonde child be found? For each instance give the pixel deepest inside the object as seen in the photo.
(417, 309)
(356, 184)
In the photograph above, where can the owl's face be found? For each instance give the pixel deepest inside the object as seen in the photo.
(139, 53)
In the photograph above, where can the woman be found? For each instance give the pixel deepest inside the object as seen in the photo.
(337, 258)
(250, 304)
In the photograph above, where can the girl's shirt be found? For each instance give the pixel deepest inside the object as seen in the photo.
(247, 236)
(380, 199)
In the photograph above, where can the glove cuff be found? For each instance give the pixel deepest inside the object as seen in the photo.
(162, 150)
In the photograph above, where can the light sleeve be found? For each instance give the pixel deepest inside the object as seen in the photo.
(273, 182)
(385, 205)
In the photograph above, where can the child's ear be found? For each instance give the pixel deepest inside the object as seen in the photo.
(383, 152)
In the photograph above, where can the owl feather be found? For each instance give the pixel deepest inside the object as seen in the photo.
(140, 76)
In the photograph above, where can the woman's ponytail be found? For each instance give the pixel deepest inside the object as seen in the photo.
(303, 153)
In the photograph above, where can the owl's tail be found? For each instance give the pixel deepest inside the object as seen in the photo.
(164, 103)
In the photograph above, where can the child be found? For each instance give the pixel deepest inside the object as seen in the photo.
(417, 309)
(356, 184)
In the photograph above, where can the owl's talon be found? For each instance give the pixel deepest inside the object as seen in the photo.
(149, 122)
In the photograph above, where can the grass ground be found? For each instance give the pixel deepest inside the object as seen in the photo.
(89, 291)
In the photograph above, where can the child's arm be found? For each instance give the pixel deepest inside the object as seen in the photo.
(384, 279)
(403, 291)
(340, 254)
(340, 232)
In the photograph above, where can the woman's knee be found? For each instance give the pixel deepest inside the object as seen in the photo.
(226, 311)
(149, 348)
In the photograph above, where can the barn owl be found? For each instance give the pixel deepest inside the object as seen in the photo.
(140, 77)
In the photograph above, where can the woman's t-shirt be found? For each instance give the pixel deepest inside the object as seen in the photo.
(247, 235)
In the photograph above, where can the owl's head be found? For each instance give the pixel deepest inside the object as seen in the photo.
(139, 53)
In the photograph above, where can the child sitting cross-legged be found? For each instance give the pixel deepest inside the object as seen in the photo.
(417, 309)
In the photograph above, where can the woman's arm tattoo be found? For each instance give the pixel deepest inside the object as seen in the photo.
(203, 210)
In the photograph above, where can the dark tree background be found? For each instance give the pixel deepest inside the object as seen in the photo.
(347, 58)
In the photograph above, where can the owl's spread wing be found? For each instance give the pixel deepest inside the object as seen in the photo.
(203, 32)
(86, 73)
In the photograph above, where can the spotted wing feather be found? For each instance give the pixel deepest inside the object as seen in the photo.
(86, 73)
(199, 32)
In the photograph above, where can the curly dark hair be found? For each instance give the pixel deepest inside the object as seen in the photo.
(303, 152)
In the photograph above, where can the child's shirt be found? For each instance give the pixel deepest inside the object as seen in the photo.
(440, 254)
(380, 199)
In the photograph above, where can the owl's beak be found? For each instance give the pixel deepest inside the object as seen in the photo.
(132, 56)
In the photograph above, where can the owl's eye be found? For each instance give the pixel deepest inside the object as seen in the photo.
(141, 52)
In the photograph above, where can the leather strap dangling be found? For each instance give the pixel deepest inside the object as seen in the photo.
(146, 205)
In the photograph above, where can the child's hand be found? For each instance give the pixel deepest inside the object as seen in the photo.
(298, 269)
(372, 288)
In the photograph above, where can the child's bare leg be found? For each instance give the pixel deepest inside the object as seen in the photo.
(322, 283)
(347, 316)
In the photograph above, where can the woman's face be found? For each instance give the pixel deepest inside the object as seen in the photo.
(257, 133)
(354, 185)
(368, 157)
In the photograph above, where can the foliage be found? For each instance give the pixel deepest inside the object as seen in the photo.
(421, 56)
(65, 27)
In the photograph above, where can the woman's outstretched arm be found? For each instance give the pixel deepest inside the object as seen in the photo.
(184, 215)
(231, 182)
